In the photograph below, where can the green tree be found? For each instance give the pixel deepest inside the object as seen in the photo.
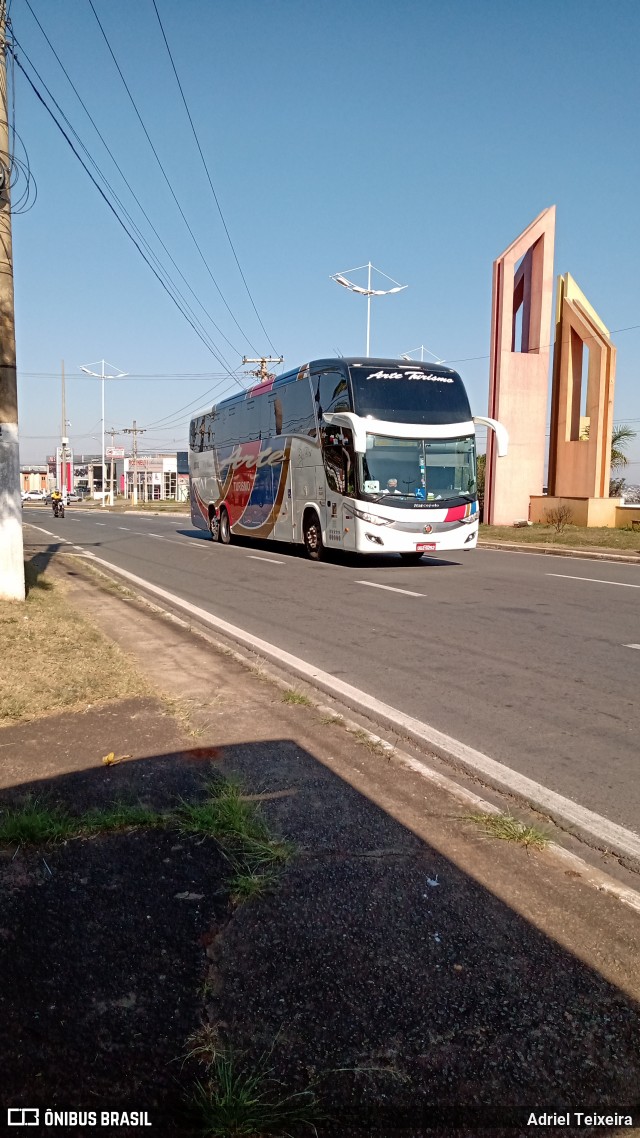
(620, 439)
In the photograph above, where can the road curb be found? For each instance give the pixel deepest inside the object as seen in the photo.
(556, 551)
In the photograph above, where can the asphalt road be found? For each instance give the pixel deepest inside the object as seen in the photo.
(528, 658)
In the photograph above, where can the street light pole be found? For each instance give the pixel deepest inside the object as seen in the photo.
(101, 375)
(368, 307)
(342, 279)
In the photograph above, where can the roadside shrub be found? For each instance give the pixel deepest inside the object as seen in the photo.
(559, 517)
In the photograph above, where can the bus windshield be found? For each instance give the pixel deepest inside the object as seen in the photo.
(409, 393)
(408, 472)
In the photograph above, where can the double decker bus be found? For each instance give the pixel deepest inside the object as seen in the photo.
(367, 455)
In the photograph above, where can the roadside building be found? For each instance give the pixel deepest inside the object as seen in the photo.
(182, 459)
(35, 478)
(156, 476)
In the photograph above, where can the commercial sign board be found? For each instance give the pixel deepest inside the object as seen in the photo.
(114, 452)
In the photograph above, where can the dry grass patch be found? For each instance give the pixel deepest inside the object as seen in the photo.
(53, 659)
(572, 537)
(509, 829)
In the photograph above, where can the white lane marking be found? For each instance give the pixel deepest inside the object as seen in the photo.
(631, 645)
(390, 588)
(270, 560)
(599, 827)
(594, 580)
(124, 527)
(49, 533)
(101, 523)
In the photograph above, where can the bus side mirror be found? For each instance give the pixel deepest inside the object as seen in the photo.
(501, 433)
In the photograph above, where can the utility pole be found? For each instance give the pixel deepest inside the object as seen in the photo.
(66, 481)
(11, 544)
(135, 431)
(262, 371)
(113, 434)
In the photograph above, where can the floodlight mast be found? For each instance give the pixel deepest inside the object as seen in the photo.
(342, 279)
(102, 376)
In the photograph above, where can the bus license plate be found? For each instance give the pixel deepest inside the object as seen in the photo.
(425, 545)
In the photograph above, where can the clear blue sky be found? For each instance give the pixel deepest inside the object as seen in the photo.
(420, 135)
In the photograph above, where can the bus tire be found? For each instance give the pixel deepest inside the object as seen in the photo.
(312, 536)
(411, 558)
(224, 528)
(214, 525)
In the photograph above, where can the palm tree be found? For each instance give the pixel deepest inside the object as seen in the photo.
(620, 439)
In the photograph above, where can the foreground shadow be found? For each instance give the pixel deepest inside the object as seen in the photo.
(417, 1001)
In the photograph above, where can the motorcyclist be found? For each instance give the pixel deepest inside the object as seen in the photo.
(57, 502)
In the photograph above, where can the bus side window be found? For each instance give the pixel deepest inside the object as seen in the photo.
(291, 409)
(330, 392)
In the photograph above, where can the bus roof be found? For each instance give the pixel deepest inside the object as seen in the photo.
(349, 361)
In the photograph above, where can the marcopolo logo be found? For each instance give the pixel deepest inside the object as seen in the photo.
(23, 1116)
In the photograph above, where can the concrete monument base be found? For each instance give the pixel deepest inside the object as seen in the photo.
(585, 511)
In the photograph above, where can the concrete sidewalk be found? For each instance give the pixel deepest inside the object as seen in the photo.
(426, 979)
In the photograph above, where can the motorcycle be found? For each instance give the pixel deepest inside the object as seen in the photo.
(58, 509)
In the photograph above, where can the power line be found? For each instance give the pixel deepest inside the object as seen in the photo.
(198, 332)
(165, 176)
(121, 172)
(160, 268)
(206, 169)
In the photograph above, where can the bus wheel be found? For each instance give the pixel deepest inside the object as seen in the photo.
(411, 558)
(224, 529)
(312, 535)
(214, 526)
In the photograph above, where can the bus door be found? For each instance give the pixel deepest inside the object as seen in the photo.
(339, 466)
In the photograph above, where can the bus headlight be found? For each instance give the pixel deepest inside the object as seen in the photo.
(372, 519)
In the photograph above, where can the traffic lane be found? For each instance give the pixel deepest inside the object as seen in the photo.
(549, 722)
(613, 619)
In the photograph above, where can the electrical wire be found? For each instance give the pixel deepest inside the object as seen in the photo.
(161, 269)
(190, 320)
(125, 179)
(206, 169)
(166, 178)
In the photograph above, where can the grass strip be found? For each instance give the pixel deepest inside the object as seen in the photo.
(53, 659)
(227, 815)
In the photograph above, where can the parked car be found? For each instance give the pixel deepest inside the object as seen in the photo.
(34, 496)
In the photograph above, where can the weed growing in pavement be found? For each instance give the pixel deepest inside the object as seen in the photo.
(226, 814)
(37, 822)
(236, 823)
(250, 884)
(34, 822)
(374, 745)
(510, 829)
(326, 720)
(121, 816)
(235, 1100)
(297, 697)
